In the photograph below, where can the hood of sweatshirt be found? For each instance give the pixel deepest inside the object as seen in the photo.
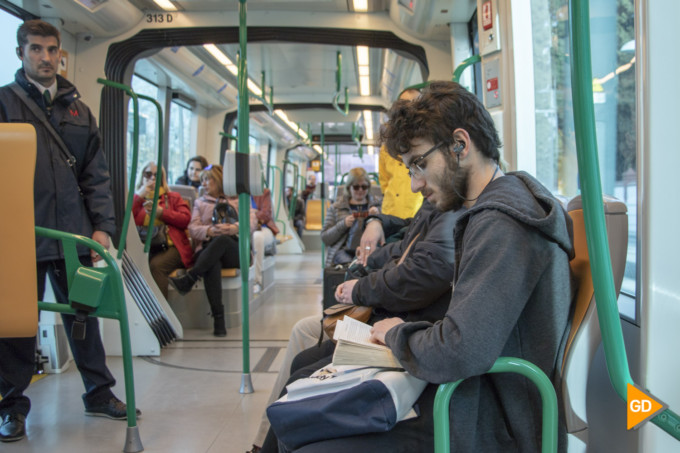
(522, 197)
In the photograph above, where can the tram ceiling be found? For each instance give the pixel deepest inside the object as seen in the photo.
(302, 75)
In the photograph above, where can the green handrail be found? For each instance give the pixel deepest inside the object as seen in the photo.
(268, 105)
(224, 134)
(244, 198)
(293, 202)
(593, 211)
(281, 191)
(135, 148)
(159, 174)
(322, 139)
(336, 169)
(417, 86)
(463, 65)
(338, 84)
(502, 365)
(112, 306)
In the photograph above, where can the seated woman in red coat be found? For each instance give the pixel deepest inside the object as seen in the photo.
(172, 219)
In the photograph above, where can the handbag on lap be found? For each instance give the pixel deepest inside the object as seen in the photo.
(333, 314)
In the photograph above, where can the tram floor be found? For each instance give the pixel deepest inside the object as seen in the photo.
(189, 396)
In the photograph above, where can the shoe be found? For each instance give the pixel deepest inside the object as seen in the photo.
(257, 288)
(183, 284)
(13, 428)
(219, 329)
(255, 449)
(114, 409)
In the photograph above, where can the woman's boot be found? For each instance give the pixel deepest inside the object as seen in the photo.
(219, 328)
(183, 284)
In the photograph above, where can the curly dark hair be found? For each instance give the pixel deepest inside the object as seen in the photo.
(36, 27)
(441, 108)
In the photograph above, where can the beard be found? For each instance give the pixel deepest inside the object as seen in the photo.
(453, 183)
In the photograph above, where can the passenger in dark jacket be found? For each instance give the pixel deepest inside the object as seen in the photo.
(299, 214)
(192, 173)
(72, 193)
(512, 283)
(344, 219)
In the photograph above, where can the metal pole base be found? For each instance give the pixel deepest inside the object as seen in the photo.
(246, 384)
(133, 443)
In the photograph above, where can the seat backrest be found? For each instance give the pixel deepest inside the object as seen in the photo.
(313, 215)
(584, 336)
(18, 280)
(188, 193)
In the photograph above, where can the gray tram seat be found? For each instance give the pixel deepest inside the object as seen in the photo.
(584, 336)
(18, 280)
(188, 193)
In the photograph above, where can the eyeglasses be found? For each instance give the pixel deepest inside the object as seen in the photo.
(415, 170)
(360, 186)
(148, 174)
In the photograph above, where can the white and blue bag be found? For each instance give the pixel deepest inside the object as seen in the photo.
(343, 401)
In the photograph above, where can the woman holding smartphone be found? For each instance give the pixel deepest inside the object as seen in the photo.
(171, 249)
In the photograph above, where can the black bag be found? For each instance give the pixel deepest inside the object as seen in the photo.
(332, 277)
(159, 237)
(224, 213)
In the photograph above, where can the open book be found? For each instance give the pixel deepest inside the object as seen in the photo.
(355, 348)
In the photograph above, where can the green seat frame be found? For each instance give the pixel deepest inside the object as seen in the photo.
(502, 365)
(102, 289)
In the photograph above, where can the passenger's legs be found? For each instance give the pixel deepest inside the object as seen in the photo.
(16, 370)
(222, 252)
(213, 253)
(162, 264)
(305, 334)
(261, 239)
(17, 363)
(88, 353)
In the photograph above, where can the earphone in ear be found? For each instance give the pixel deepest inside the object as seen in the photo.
(458, 148)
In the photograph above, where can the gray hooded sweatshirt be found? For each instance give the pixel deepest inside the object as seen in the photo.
(512, 296)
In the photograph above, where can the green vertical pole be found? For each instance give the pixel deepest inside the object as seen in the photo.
(593, 211)
(323, 194)
(159, 164)
(337, 164)
(133, 170)
(244, 198)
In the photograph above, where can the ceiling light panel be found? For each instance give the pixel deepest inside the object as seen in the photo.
(360, 6)
(166, 5)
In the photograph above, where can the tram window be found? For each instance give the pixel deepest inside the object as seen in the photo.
(148, 125)
(613, 58)
(8, 34)
(179, 140)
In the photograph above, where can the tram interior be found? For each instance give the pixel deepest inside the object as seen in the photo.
(188, 389)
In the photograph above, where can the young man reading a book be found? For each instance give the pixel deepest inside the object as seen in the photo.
(512, 283)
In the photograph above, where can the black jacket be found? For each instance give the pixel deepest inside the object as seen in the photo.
(419, 289)
(58, 203)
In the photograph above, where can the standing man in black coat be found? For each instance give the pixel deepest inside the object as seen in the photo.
(72, 193)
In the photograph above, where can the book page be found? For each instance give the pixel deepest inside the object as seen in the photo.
(350, 329)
